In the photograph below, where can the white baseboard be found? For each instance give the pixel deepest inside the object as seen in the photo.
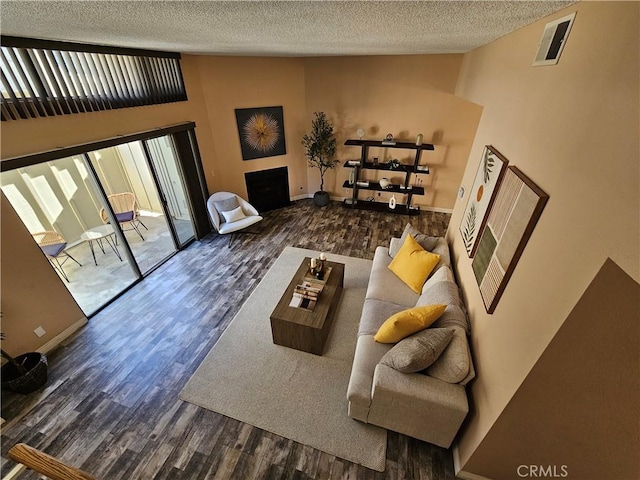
(62, 336)
(436, 209)
(301, 197)
(470, 476)
(461, 473)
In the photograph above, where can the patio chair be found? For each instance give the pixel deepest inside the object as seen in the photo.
(53, 246)
(125, 207)
(231, 214)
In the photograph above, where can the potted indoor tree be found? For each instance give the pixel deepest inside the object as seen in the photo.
(25, 373)
(320, 147)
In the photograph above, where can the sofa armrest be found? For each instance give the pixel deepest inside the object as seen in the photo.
(417, 405)
(367, 355)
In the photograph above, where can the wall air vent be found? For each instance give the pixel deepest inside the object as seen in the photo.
(553, 39)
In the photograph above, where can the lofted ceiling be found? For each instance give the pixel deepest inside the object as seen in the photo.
(275, 28)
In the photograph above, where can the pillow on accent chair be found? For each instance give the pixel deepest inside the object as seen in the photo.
(233, 215)
(425, 241)
(226, 205)
(418, 351)
(413, 264)
(407, 322)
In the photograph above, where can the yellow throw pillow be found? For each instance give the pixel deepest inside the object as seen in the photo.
(408, 322)
(413, 264)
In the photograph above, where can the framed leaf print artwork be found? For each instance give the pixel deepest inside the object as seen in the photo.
(488, 177)
(261, 132)
(513, 216)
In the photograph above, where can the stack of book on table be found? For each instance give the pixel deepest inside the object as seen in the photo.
(306, 294)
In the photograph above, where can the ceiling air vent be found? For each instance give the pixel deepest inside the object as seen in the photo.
(553, 39)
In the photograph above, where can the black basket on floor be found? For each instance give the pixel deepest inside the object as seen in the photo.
(36, 376)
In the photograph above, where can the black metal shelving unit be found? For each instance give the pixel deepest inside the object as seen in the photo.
(405, 188)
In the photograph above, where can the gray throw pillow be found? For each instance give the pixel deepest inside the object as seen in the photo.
(453, 364)
(418, 351)
(425, 241)
(226, 205)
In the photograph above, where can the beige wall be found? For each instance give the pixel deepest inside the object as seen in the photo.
(577, 410)
(244, 82)
(402, 95)
(573, 129)
(32, 294)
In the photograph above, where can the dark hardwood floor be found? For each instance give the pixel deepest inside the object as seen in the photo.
(111, 405)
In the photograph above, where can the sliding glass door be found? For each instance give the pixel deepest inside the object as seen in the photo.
(106, 217)
(62, 207)
(165, 164)
(129, 185)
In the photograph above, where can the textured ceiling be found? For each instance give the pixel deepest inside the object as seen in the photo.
(298, 28)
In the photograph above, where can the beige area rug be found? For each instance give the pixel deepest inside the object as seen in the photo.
(293, 394)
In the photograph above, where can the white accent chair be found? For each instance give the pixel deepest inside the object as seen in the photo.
(231, 214)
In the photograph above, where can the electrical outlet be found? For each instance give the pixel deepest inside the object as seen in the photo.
(39, 331)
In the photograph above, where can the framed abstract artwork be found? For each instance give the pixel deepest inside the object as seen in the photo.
(261, 132)
(488, 177)
(513, 216)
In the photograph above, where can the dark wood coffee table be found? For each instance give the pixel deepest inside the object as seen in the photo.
(304, 329)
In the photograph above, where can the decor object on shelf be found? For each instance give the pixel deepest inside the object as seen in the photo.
(419, 139)
(394, 164)
(384, 182)
(360, 133)
(388, 140)
(513, 216)
(318, 266)
(392, 202)
(25, 373)
(352, 177)
(491, 169)
(261, 132)
(320, 147)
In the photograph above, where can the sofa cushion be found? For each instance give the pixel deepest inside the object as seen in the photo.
(443, 274)
(453, 364)
(425, 241)
(417, 405)
(374, 313)
(440, 292)
(367, 355)
(453, 316)
(442, 249)
(406, 322)
(385, 285)
(418, 351)
(413, 264)
(448, 293)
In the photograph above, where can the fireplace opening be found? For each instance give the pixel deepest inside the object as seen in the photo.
(268, 189)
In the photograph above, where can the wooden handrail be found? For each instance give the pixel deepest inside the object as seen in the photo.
(45, 464)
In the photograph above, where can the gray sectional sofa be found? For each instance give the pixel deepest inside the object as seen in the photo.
(429, 405)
